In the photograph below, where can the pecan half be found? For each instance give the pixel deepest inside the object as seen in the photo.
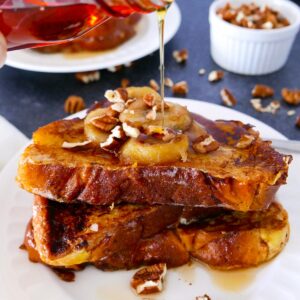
(205, 144)
(291, 96)
(227, 98)
(87, 77)
(262, 91)
(74, 104)
(104, 122)
(149, 280)
(180, 88)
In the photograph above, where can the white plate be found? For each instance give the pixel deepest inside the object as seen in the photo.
(142, 44)
(21, 279)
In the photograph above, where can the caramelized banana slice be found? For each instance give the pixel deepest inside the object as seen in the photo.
(135, 151)
(92, 132)
(177, 117)
(139, 93)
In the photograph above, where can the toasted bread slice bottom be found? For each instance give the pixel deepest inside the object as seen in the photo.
(130, 236)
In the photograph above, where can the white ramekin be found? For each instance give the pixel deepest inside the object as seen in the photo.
(252, 51)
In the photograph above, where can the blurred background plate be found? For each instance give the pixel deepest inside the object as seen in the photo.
(143, 43)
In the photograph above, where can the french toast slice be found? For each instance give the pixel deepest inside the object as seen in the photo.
(70, 235)
(234, 175)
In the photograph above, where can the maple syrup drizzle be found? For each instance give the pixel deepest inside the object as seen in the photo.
(161, 15)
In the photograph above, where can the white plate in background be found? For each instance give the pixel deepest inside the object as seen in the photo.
(143, 43)
(20, 279)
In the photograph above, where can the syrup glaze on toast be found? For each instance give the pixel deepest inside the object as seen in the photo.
(239, 179)
(227, 240)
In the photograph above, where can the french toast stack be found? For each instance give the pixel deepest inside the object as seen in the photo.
(119, 190)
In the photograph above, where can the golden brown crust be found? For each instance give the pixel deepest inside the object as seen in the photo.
(131, 236)
(238, 240)
(239, 179)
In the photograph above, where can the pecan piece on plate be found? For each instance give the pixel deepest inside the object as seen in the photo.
(227, 98)
(262, 91)
(291, 96)
(74, 104)
(149, 280)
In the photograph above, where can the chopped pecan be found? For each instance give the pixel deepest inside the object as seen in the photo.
(262, 91)
(149, 100)
(153, 84)
(245, 141)
(181, 56)
(149, 279)
(125, 83)
(74, 104)
(114, 69)
(180, 88)
(114, 140)
(130, 131)
(68, 145)
(94, 227)
(104, 122)
(205, 144)
(215, 76)
(201, 71)
(271, 108)
(291, 96)
(169, 82)
(252, 16)
(151, 115)
(298, 122)
(118, 107)
(163, 133)
(291, 112)
(118, 95)
(227, 98)
(87, 77)
(160, 104)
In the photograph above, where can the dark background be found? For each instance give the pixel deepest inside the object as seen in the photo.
(30, 99)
